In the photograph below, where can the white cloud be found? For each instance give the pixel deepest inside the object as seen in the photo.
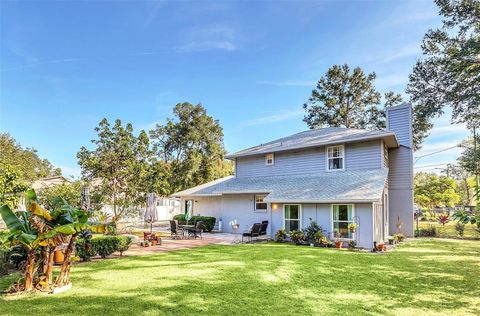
(299, 83)
(210, 37)
(154, 9)
(201, 46)
(281, 115)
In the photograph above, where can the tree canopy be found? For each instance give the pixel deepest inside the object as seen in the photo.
(27, 164)
(348, 98)
(434, 191)
(185, 151)
(449, 72)
(191, 144)
(117, 162)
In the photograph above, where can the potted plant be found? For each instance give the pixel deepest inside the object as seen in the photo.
(391, 240)
(352, 244)
(338, 243)
(380, 246)
(352, 227)
(280, 235)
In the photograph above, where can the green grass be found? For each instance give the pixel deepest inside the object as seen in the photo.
(421, 277)
(449, 231)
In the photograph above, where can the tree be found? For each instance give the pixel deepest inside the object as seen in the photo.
(10, 186)
(26, 163)
(117, 162)
(432, 191)
(191, 145)
(449, 73)
(470, 158)
(70, 192)
(345, 98)
(464, 182)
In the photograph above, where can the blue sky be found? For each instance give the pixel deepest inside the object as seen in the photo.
(65, 65)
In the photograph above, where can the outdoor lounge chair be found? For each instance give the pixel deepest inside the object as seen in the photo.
(263, 229)
(175, 231)
(197, 230)
(253, 232)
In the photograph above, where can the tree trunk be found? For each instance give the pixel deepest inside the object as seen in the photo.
(49, 272)
(63, 277)
(29, 269)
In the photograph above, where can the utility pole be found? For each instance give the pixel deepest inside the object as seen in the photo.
(476, 163)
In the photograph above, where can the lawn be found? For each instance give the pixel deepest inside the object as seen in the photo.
(449, 229)
(421, 277)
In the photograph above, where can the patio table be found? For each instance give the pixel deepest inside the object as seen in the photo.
(185, 228)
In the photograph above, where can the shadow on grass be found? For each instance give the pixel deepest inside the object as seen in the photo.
(271, 279)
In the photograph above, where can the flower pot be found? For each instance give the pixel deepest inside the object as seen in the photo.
(380, 247)
(338, 244)
(154, 242)
(58, 257)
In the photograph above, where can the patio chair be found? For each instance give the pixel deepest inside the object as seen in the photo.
(263, 229)
(197, 230)
(253, 232)
(175, 231)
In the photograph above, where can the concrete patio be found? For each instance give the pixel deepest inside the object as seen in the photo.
(169, 244)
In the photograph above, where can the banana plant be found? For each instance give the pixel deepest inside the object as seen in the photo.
(24, 233)
(38, 228)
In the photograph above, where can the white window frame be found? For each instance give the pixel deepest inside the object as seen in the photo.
(333, 221)
(261, 210)
(300, 215)
(327, 158)
(267, 157)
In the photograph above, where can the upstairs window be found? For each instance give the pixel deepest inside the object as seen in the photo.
(269, 159)
(336, 158)
(260, 205)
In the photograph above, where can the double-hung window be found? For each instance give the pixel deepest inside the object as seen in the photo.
(342, 217)
(260, 205)
(269, 159)
(292, 215)
(336, 158)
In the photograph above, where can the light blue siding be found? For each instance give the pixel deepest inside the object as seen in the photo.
(239, 207)
(366, 155)
(400, 179)
(399, 120)
(363, 155)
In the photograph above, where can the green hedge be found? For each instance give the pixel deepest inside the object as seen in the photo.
(208, 221)
(103, 246)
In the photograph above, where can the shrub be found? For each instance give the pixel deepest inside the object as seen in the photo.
(280, 235)
(399, 237)
(103, 246)
(430, 231)
(311, 230)
(351, 244)
(124, 243)
(460, 228)
(319, 237)
(208, 221)
(297, 236)
(82, 252)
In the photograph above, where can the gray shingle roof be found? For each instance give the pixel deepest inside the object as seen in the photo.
(326, 187)
(318, 137)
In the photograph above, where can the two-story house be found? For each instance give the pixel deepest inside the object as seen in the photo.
(334, 176)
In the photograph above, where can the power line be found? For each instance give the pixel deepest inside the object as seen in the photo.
(435, 152)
